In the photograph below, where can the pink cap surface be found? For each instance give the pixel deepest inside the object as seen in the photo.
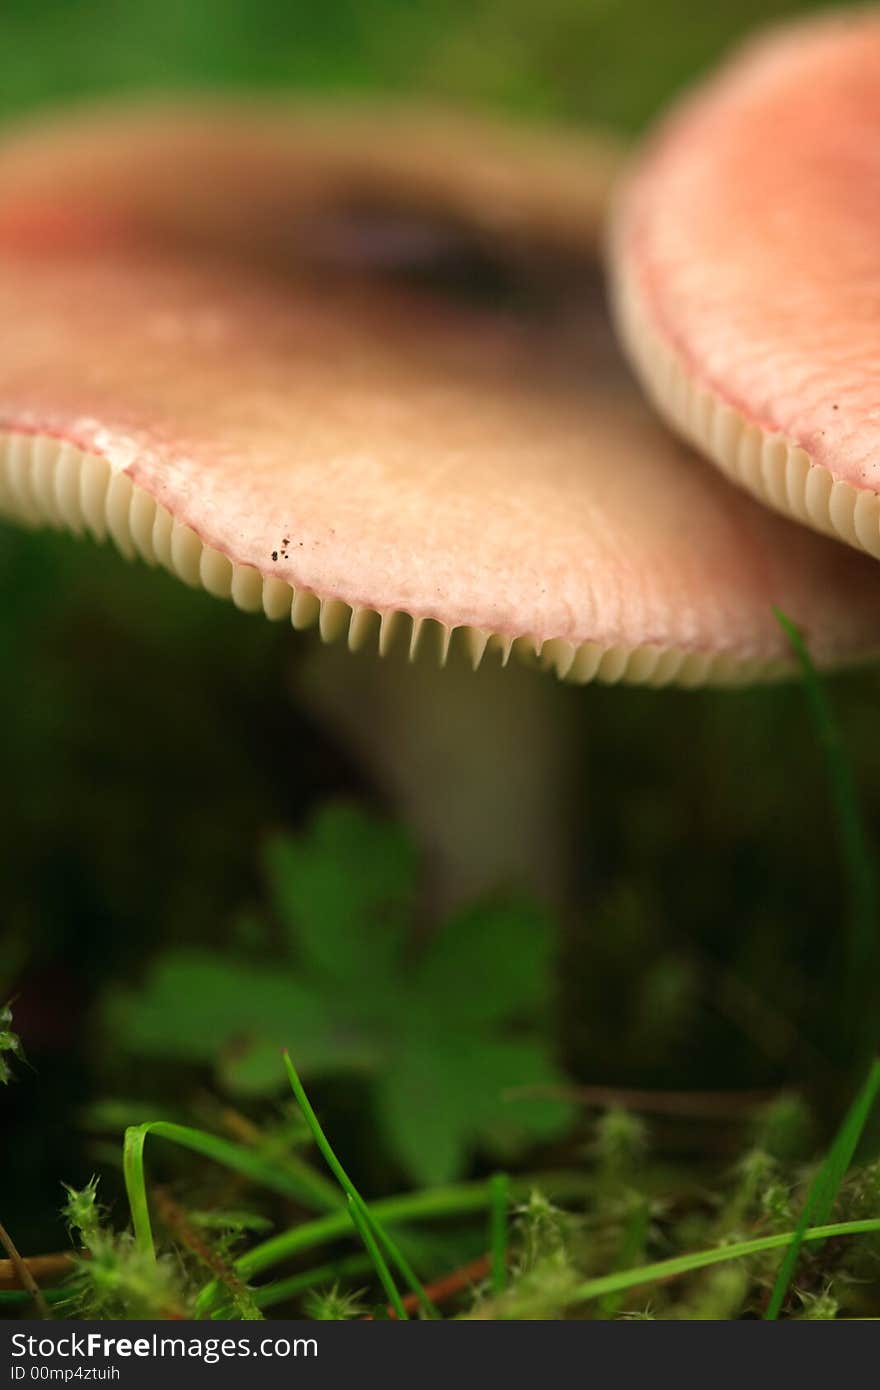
(267, 386)
(746, 252)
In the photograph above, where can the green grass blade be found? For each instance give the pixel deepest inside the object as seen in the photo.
(298, 1183)
(825, 1186)
(618, 1282)
(431, 1204)
(318, 1134)
(136, 1187)
(632, 1247)
(686, 1264)
(351, 1192)
(206, 1299)
(397, 1256)
(863, 886)
(456, 1200)
(362, 1226)
(499, 1203)
(280, 1290)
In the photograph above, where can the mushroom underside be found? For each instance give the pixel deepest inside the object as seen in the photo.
(781, 473)
(744, 271)
(47, 482)
(405, 430)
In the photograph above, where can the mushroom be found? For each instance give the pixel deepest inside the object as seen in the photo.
(745, 254)
(295, 363)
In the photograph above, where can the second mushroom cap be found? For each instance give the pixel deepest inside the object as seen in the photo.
(745, 261)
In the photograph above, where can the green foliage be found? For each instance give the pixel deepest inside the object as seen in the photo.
(723, 1294)
(754, 1175)
(82, 1212)
(825, 1186)
(375, 1237)
(10, 1045)
(620, 1143)
(822, 1306)
(230, 1223)
(499, 1201)
(542, 1229)
(334, 1304)
(291, 1177)
(556, 1253)
(445, 1027)
(113, 1278)
(784, 1127)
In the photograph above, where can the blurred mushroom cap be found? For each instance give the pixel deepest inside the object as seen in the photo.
(746, 266)
(356, 371)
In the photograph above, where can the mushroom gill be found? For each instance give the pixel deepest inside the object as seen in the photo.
(745, 269)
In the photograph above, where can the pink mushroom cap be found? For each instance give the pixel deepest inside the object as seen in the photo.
(240, 343)
(745, 249)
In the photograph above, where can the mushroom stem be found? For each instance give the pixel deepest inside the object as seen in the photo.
(478, 764)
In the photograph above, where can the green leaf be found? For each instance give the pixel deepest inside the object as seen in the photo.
(377, 1240)
(251, 1071)
(443, 1095)
(447, 1029)
(198, 1007)
(507, 1122)
(492, 960)
(420, 1110)
(344, 891)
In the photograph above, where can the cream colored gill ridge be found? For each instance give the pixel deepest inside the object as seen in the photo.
(45, 481)
(780, 473)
